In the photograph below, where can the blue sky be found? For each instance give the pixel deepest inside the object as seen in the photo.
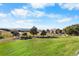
(41, 15)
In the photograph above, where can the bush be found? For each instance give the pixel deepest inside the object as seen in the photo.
(1, 37)
(25, 36)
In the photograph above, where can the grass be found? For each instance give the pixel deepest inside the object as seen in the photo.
(62, 46)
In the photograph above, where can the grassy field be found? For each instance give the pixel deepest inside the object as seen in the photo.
(62, 46)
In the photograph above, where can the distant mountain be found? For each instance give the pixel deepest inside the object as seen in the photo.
(18, 29)
(22, 29)
(5, 29)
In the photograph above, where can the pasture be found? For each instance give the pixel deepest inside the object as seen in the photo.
(61, 46)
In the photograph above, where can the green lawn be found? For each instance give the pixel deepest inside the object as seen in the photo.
(62, 46)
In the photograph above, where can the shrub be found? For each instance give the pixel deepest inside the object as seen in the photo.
(25, 36)
(1, 37)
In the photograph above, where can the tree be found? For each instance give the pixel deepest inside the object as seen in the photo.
(58, 31)
(15, 33)
(24, 34)
(43, 32)
(48, 31)
(52, 32)
(72, 30)
(33, 31)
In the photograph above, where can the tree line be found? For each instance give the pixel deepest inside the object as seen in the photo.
(69, 30)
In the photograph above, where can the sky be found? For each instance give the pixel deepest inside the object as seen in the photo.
(41, 15)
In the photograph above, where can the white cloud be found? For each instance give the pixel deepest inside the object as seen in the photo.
(20, 12)
(11, 23)
(3, 15)
(69, 6)
(26, 12)
(64, 20)
(54, 16)
(38, 13)
(41, 5)
(24, 21)
(23, 24)
(34, 13)
(42, 26)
